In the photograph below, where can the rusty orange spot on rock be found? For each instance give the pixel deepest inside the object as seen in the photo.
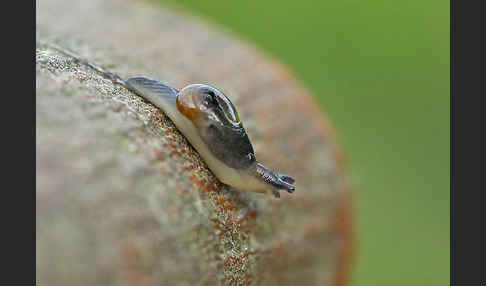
(343, 223)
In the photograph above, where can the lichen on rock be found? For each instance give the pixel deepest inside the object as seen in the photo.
(123, 198)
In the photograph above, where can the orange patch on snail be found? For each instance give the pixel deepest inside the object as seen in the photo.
(186, 107)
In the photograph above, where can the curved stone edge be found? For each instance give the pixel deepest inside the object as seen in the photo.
(222, 205)
(343, 217)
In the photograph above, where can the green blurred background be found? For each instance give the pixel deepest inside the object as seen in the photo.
(381, 72)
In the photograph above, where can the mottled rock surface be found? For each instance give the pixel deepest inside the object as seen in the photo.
(123, 199)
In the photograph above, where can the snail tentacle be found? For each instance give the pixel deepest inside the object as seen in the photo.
(278, 181)
(286, 178)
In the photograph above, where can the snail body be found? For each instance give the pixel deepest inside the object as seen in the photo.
(210, 122)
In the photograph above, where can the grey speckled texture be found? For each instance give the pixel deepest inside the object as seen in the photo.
(123, 199)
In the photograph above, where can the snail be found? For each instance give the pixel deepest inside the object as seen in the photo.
(210, 122)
